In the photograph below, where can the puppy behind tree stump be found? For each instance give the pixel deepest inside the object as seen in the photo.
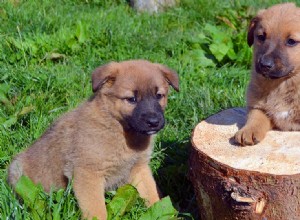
(273, 96)
(105, 142)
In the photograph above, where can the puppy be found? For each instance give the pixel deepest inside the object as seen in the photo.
(273, 96)
(105, 142)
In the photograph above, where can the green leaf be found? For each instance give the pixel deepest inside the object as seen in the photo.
(4, 77)
(219, 50)
(57, 207)
(4, 99)
(4, 87)
(162, 210)
(25, 110)
(198, 56)
(81, 32)
(231, 54)
(32, 196)
(72, 43)
(9, 122)
(212, 29)
(124, 199)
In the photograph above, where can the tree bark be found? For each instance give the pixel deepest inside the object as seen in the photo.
(254, 182)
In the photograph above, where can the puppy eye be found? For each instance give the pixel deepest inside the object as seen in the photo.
(261, 37)
(159, 96)
(131, 100)
(291, 42)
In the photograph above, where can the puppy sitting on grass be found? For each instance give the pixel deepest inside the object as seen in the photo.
(105, 142)
(273, 96)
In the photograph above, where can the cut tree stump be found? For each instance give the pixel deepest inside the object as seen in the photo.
(253, 182)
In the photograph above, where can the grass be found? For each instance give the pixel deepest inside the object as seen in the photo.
(48, 51)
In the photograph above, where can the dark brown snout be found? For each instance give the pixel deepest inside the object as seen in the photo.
(147, 117)
(272, 65)
(266, 63)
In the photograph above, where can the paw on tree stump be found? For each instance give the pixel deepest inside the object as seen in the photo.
(253, 182)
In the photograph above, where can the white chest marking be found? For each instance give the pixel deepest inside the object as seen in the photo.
(282, 115)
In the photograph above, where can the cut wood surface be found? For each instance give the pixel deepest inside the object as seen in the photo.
(253, 182)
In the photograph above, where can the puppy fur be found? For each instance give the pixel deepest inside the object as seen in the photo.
(105, 142)
(273, 96)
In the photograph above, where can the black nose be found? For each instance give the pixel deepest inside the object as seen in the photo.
(152, 122)
(266, 63)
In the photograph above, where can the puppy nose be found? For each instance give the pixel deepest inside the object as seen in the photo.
(266, 63)
(152, 122)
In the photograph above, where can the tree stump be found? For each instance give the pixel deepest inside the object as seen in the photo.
(253, 182)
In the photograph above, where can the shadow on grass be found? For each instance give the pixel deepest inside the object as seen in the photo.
(172, 178)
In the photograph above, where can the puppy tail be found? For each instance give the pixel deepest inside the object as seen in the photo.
(15, 170)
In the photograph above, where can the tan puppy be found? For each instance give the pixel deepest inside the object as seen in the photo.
(105, 142)
(273, 96)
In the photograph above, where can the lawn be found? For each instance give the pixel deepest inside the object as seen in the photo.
(49, 49)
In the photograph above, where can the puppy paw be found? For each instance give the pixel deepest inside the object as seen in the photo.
(249, 136)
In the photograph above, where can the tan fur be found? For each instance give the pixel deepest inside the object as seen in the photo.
(273, 103)
(90, 144)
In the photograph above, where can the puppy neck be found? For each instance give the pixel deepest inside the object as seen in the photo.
(137, 141)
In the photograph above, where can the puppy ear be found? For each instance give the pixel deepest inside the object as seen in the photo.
(103, 74)
(251, 28)
(170, 75)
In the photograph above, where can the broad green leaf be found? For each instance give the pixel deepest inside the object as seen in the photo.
(32, 196)
(81, 32)
(57, 207)
(212, 29)
(231, 54)
(25, 110)
(219, 50)
(4, 87)
(124, 199)
(198, 56)
(162, 210)
(4, 77)
(59, 195)
(9, 122)
(4, 99)
(72, 43)
(217, 34)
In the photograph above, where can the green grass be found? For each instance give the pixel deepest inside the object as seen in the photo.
(48, 51)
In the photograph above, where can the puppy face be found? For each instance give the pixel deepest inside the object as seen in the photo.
(275, 34)
(135, 92)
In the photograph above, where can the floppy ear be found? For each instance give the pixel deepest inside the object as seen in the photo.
(103, 74)
(251, 28)
(170, 75)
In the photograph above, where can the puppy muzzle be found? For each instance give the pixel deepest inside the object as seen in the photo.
(147, 117)
(271, 68)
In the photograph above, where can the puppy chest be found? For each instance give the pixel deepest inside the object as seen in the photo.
(284, 109)
(117, 171)
(288, 120)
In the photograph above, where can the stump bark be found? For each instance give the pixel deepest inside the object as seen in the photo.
(253, 182)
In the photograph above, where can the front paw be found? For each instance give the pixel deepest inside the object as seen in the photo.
(249, 135)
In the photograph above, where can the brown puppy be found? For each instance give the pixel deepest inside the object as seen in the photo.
(105, 142)
(273, 96)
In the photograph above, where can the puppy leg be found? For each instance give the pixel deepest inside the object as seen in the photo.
(141, 177)
(255, 128)
(89, 192)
